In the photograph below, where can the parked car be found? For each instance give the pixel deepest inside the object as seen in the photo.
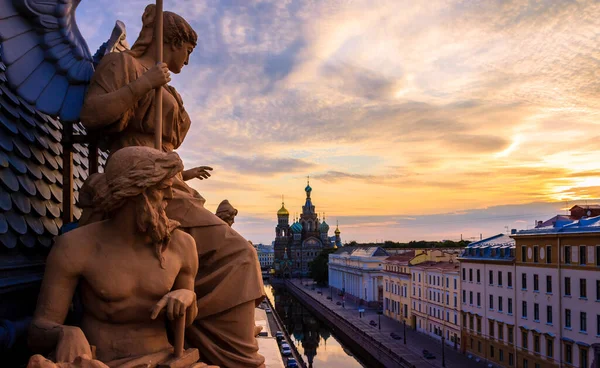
(429, 356)
(279, 336)
(338, 303)
(286, 351)
(320, 292)
(329, 297)
(395, 336)
(372, 323)
(268, 310)
(292, 363)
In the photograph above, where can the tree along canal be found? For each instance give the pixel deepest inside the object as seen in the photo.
(312, 337)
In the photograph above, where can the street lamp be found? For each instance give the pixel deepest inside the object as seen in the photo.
(404, 331)
(443, 356)
(380, 312)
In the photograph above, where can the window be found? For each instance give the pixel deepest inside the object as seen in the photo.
(510, 334)
(549, 347)
(598, 325)
(567, 318)
(523, 281)
(525, 363)
(548, 254)
(583, 357)
(470, 274)
(523, 254)
(582, 321)
(509, 280)
(582, 288)
(548, 284)
(524, 339)
(478, 276)
(536, 312)
(455, 284)
(549, 314)
(582, 255)
(567, 286)
(597, 255)
(511, 359)
(478, 325)
(500, 280)
(491, 328)
(567, 254)
(510, 306)
(536, 343)
(597, 289)
(471, 322)
(500, 304)
(491, 277)
(536, 283)
(569, 353)
(535, 254)
(524, 310)
(500, 332)
(491, 301)
(491, 351)
(464, 298)
(479, 346)
(501, 355)
(479, 299)
(471, 297)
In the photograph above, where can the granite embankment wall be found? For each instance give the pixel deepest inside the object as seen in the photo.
(369, 351)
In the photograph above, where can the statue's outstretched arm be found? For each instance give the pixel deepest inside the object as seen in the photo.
(47, 331)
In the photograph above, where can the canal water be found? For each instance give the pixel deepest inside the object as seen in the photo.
(313, 339)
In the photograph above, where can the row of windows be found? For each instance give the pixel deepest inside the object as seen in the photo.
(439, 313)
(396, 288)
(571, 254)
(499, 280)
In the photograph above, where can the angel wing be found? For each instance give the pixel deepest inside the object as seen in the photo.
(48, 62)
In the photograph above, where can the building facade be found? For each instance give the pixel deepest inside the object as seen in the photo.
(302, 241)
(266, 255)
(396, 281)
(559, 294)
(357, 273)
(435, 300)
(488, 302)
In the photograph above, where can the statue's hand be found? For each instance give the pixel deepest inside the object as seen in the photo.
(176, 303)
(72, 343)
(200, 172)
(158, 75)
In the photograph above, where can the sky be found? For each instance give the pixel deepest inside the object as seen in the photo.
(414, 119)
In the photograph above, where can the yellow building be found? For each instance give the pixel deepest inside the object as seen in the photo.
(396, 281)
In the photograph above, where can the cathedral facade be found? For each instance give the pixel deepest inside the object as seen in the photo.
(296, 245)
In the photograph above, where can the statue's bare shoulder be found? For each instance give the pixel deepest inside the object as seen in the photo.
(73, 249)
(185, 245)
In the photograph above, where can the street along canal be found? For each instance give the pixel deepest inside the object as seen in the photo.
(312, 337)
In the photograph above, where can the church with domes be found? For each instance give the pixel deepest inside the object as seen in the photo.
(296, 245)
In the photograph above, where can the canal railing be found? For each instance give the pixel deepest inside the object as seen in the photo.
(287, 336)
(360, 337)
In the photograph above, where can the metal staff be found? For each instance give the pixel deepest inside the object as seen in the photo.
(158, 37)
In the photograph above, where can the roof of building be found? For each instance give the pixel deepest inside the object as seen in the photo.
(31, 178)
(401, 258)
(558, 219)
(497, 247)
(583, 225)
(283, 211)
(362, 251)
(587, 206)
(444, 265)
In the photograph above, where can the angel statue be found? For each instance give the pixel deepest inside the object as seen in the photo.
(50, 66)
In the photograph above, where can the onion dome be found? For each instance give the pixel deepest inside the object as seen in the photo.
(337, 230)
(296, 227)
(324, 227)
(283, 211)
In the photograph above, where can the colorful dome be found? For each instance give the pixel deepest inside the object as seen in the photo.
(308, 189)
(283, 211)
(296, 227)
(337, 231)
(324, 227)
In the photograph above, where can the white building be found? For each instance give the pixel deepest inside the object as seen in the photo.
(357, 273)
(266, 255)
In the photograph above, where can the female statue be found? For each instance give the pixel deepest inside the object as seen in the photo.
(120, 104)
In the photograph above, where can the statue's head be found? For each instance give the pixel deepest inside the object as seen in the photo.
(142, 177)
(178, 37)
(226, 212)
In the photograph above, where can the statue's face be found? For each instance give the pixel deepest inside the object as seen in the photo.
(159, 195)
(180, 56)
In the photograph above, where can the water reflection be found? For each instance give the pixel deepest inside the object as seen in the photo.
(312, 338)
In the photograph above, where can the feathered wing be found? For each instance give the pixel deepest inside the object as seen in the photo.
(48, 61)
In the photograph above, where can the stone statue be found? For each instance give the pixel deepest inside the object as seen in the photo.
(120, 106)
(226, 212)
(133, 270)
(115, 101)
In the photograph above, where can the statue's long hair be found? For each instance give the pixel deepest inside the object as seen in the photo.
(176, 30)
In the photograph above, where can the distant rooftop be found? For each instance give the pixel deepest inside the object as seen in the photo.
(401, 258)
(498, 247)
(445, 265)
(583, 225)
(362, 252)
